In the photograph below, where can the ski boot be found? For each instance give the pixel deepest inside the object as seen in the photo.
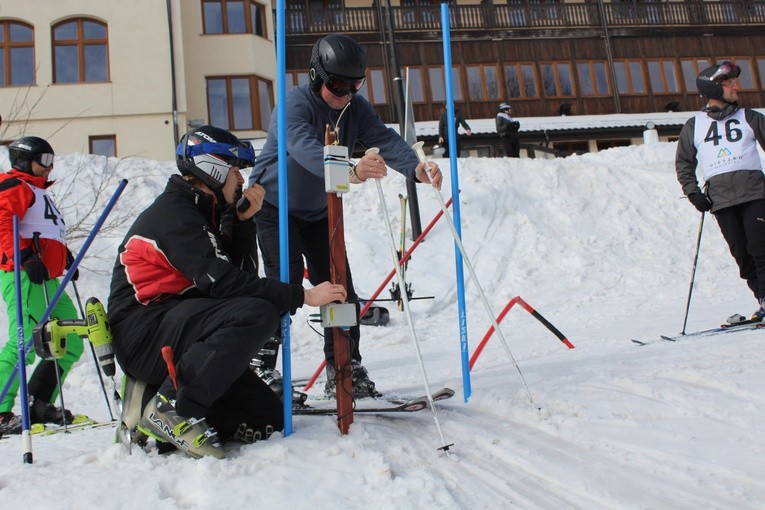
(134, 399)
(41, 411)
(759, 314)
(362, 386)
(10, 424)
(193, 436)
(264, 366)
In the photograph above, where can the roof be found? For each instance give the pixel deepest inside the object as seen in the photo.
(563, 123)
(571, 122)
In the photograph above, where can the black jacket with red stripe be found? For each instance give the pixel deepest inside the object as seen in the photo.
(175, 250)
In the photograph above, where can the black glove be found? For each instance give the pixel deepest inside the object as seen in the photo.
(34, 267)
(69, 261)
(700, 201)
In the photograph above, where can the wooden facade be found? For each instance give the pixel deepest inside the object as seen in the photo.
(544, 57)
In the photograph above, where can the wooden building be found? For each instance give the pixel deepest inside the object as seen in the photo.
(546, 58)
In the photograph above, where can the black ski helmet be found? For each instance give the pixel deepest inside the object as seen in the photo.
(208, 152)
(337, 56)
(27, 149)
(709, 80)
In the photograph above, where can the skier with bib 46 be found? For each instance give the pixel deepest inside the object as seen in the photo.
(722, 142)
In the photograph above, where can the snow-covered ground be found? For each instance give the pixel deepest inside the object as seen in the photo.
(602, 245)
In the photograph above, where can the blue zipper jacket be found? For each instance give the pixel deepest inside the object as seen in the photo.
(307, 116)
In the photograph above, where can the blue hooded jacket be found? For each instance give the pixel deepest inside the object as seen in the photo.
(307, 116)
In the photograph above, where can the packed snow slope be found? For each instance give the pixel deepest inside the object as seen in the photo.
(602, 245)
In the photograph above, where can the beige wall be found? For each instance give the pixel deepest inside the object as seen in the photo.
(136, 104)
(222, 55)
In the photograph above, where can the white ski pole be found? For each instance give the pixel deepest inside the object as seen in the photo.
(423, 159)
(407, 310)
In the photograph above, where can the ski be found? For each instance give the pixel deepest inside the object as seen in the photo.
(48, 429)
(386, 405)
(748, 325)
(395, 291)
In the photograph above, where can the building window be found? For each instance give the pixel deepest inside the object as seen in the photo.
(374, 88)
(80, 52)
(17, 56)
(483, 81)
(521, 81)
(691, 68)
(103, 145)
(593, 80)
(438, 85)
(239, 103)
(663, 76)
(415, 85)
(295, 79)
(629, 77)
(761, 69)
(234, 17)
(556, 79)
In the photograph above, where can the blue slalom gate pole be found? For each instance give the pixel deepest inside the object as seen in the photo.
(26, 434)
(284, 244)
(464, 347)
(68, 276)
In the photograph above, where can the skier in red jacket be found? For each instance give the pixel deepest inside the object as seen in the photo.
(23, 194)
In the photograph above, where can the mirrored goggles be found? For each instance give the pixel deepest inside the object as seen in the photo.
(341, 88)
(45, 159)
(726, 71)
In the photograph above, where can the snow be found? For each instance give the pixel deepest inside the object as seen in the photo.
(602, 245)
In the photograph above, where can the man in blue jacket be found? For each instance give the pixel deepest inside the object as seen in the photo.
(338, 69)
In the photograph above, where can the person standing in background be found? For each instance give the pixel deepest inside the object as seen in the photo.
(507, 128)
(443, 130)
(722, 141)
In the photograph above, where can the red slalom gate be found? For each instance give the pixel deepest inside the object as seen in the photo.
(382, 286)
(534, 313)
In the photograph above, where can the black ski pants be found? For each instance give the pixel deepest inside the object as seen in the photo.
(511, 145)
(213, 341)
(743, 227)
(309, 239)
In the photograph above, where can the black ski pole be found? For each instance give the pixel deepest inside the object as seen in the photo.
(693, 273)
(93, 351)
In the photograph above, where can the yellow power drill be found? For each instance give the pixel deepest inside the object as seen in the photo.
(50, 336)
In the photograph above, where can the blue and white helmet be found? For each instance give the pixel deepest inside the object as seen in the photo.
(208, 152)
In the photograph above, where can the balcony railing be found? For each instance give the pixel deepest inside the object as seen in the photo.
(531, 15)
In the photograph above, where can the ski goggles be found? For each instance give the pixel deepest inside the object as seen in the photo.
(242, 156)
(726, 71)
(45, 159)
(341, 87)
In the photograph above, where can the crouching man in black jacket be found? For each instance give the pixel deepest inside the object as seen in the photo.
(186, 278)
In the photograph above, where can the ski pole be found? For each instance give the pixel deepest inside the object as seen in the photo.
(421, 155)
(95, 358)
(36, 242)
(68, 276)
(407, 309)
(693, 273)
(21, 367)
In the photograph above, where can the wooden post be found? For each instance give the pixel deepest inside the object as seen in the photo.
(337, 272)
